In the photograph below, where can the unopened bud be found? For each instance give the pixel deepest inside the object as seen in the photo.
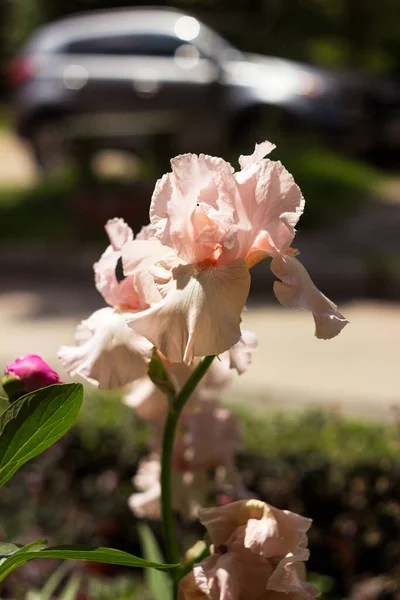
(159, 375)
(26, 374)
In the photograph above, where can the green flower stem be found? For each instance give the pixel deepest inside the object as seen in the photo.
(170, 540)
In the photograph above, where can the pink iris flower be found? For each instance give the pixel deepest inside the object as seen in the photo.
(257, 553)
(108, 352)
(210, 225)
(190, 491)
(192, 463)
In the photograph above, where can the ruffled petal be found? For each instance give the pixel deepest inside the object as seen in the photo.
(260, 151)
(119, 233)
(214, 424)
(217, 577)
(269, 205)
(138, 257)
(232, 576)
(147, 232)
(222, 521)
(112, 355)
(203, 210)
(288, 577)
(146, 504)
(297, 290)
(277, 533)
(148, 401)
(200, 313)
(181, 203)
(241, 353)
(188, 589)
(119, 294)
(257, 526)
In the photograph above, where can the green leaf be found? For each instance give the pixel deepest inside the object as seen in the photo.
(4, 404)
(158, 583)
(89, 553)
(7, 550)
(34, 422)
(18, 556)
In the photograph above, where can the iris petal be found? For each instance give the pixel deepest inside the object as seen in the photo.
(200, 313)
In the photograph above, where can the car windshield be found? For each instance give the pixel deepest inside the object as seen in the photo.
(218, 46)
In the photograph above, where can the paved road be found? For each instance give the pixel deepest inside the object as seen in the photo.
(358, 371)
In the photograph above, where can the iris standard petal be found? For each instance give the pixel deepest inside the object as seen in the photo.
(260, 151)
(269, 205)
(116, 293)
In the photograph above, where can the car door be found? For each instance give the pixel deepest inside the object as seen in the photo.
(146, 81)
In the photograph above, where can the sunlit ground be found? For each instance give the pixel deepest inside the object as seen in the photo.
(357, 372)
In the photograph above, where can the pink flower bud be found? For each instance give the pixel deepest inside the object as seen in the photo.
(26, 374)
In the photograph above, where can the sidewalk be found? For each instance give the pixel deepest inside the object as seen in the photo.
(356, 372)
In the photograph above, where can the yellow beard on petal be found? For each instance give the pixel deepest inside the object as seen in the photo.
(255, 257)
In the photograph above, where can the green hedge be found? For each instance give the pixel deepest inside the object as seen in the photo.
(343, 473)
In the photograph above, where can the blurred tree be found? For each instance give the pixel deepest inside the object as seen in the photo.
(365, 32)
(2, 45)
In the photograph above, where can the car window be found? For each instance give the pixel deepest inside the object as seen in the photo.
(129, 45)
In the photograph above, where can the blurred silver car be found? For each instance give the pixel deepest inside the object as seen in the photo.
(131, 78)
